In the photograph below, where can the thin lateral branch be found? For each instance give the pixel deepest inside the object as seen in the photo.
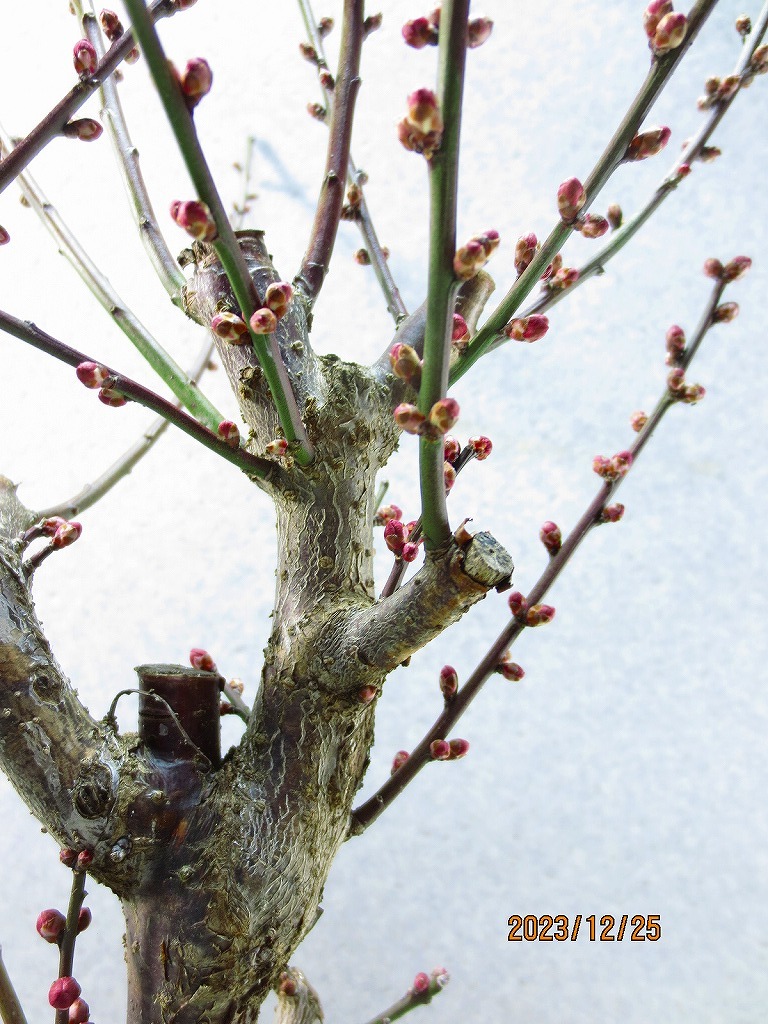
(226, 245)
(99, 285)
(240, 457)
(240, 212)
(658, 76)
(69, 937)
(10, 1007)
(165, 266)
(379, 263)
(94, 491)
(369, 810)
(442, 283)
(54, 122)
(315, 263)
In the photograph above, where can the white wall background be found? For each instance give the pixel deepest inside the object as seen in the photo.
(627, 772)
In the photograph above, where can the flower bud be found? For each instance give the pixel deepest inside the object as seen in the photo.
(759, 63)
(196, 81)
(409, 552)
(424, 112)
(482, 446)
(112, 398)
(613, 468)
(278, 297)
(638, 421)
(79, 1012)
(460, 331)
(49, 526)
(539, 615)
(743, 25)
(440, 750)
(676, 381)
(326, 80)
(4, 236)
(468, 260)
(67, 857)
(229, 432)
(420, 984)
(551, 537)
(517, 604)
(736, 268)
(308, 52)
(653, 14)
(111, 25)
(570, 199)
(63, 992)
(409, 419)
(405, 363)
(317, 111)
(675, 339)
(449, 681)
(440, 977)
(612, 513)
(86, 129)
(201, 659)
(277, 449)
(50, 925)
(728, 88)
(725, 312)
(592, 226)
(84, 919)
(449, 476)
(451, 449)
(528, 328)
(399, 760)
(366, 694)
(237, 685)
(395, 535)
(478, 31)
(196, 219)
(230, 327)
(692, 393)
(85, 58)
(647, 143)
(669, 34)
(66, 534)
(325, 27)
(92, 375)
(459, 748)
(709, 153)
(615, 216)
(131, 57)
(713, 268)
(419, 33)
(263, 321)
(510, 669)
(525, 249)
(444, 414)
(386, 513)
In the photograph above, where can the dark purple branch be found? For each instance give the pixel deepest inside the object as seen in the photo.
(328, 214)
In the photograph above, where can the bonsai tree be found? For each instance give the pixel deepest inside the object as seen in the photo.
(220, 856)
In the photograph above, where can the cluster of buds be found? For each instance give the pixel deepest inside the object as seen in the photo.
(570, 199)
(612, 513)
(84, 129)
(442, 416)
(202, 660)
(527, 328)
(399, 760)
(481, 446)
(51, 924)
(61, 533)
(195, 218)
(406, 364)
(449, 682)
(551, 537)
(85, 58)
(195, 81)
(421, 130)
(229, 432)
(113, 30)
(529, 615)
(459, 333)
(718, 90)
(614, 468)
(397, 537)
(473, 256)
(647, 143)
(385, 513)
(94, 375)
(526, 248)
(682, 392)
(665, 29)
(425, 31)
(78, 861)
(510, 669)
(448, 750)
(557, 277)
(732, 271)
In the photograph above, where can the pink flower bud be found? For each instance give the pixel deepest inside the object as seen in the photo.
(263, 321)
(112, 398)
(736, 268)
(67, 857)
(449, 681)
(525, 249)
(725, 312)
(444, 414)
(85, 58)
(361, 257)
(551, 537)
(278, 297)
(4, 236)
(79, 1012)
(424, 112)
(676, 380)
(440, 750)
(510, 669)
(419, 33)
(570, 199)
(386, 513)
(449, 476)
(563, 279)
(184, 5)
(713, 268)
(759, 63)
(399, 760)
(394, 535)
(675, 339)
(692, 393)
(451, 449)
(230, 327)
(743, 25)
(317, 111)
(201, 659)
(420, 984)
(615, 216)
(409, 419)
(468, 260)
(638, 420)
(86, 129)
(50, 925)
(478, 30)
(517, 603)
(728, 88)
(92, 375)
(459, 748)
(539, 615)
(440, 977)
(308, 52)
(277, 449)
(111, 25)
(482, 446)
(84, 860)
(66, 534)
(669, 34)
(84, 919)
(709, 153)
(195, 218)
(366, 694)
(592, 226)
(621, 463)
(409, 552)
(653, 14)
(460, 331)
(51, 525)
(405, 363)
(647, 143)
(196, 81)
(229, 432)
(612, 513)
(325, 26)
(489, 241)
(63, 992)
(528, 328)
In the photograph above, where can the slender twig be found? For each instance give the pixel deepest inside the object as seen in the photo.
(379, 262)
(658, 76)
(314, 265)
(381, 490)
(161, 361)
(246, 170)
(369, 810)
(10, 1007)
(413, 998)
(32, 335)
(240, 707)
(54, 122)
(69, 936)
(163, 262)
(442, 283)
(226, 245)
(94, 491)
